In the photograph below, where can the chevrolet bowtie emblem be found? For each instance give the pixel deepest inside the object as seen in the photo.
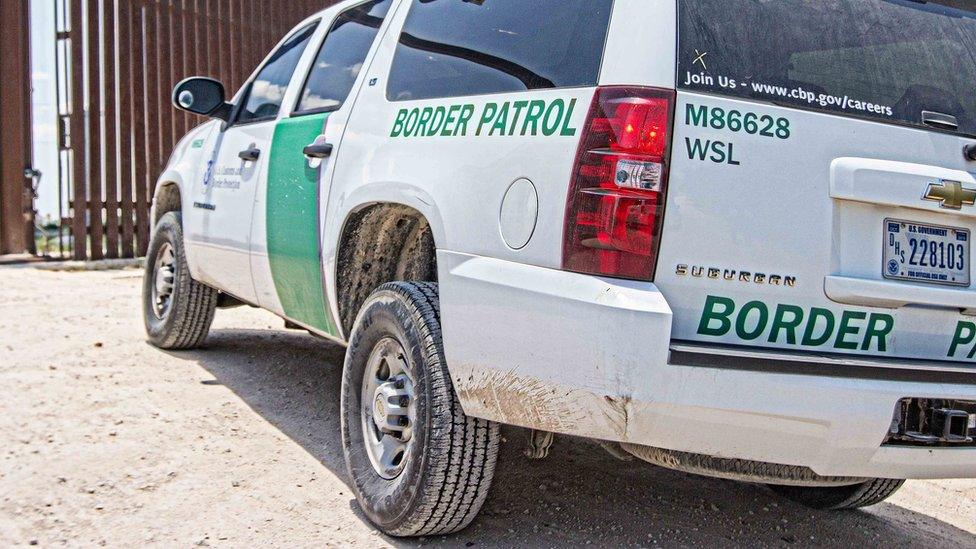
(951, 194)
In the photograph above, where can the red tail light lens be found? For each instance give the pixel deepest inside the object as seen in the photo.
(616, 197)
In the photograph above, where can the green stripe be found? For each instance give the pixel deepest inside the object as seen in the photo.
(293, 224)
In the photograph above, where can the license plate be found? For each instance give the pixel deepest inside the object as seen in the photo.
(926, 253)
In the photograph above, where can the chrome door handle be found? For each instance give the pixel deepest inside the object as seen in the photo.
(250, 155)
(318, 150)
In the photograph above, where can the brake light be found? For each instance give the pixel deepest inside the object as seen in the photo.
(617, 192)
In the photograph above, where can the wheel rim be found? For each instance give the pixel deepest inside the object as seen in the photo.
(164, 280)
(388, 409)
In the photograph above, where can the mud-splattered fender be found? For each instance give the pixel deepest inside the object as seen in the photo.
(343, 204)
(550, 350)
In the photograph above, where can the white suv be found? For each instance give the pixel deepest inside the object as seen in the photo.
(728, 237)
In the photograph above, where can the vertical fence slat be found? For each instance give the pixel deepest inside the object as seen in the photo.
(244, 38)
(255, 39)
(79, 205)
(94, 160)
(126, 30)
(204, 27)
(189, 51)
(111, 141)
(178, 47)
(174, 61)
(187, 43)
(235, 46)
(164, 122)
(141, 146)
(219, 47)
(263, 21)
(149, 77)
(190, 22)
(276, 22)
(243, 24)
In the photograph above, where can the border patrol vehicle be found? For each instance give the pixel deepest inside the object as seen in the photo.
(729, 237)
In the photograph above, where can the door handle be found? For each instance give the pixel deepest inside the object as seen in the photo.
(250, 155)
(318, 150)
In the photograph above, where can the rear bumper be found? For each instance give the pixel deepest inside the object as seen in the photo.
(591, 357)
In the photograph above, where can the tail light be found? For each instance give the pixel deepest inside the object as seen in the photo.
(617, 193)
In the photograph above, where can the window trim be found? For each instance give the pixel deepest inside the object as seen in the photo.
(599, 72)
(239, 107)
(308, 75)
(310, 112)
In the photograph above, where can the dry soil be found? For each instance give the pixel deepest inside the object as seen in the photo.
(108, 441)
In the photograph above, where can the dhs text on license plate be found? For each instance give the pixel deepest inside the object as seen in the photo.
(926, 253)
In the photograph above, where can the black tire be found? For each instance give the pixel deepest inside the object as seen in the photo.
(838, 498)
(191, 310)
(447, 473)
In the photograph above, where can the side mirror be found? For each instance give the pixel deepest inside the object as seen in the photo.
(204, 96)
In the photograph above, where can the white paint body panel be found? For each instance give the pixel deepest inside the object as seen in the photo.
(532, 345)
(813, 207)
(221, 237)
(588, 357)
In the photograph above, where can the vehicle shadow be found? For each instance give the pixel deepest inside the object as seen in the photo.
(579, 495)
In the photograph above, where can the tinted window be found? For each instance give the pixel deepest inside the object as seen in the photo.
(268, 89)
(887, 60)
(453, 48)
(341, 57)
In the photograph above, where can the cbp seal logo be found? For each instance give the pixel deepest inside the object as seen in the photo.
(893, 267)
(208, 175)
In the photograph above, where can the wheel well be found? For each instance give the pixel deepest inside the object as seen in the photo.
(168, 199)
(379, 244)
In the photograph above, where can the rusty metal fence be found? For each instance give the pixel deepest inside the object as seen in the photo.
(118, 63)
(16, 218)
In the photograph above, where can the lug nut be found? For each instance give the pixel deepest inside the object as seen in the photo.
(399, 384)
(403, 421)
(404, 401)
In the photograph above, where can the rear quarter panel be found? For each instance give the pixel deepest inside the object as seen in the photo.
(457, 178)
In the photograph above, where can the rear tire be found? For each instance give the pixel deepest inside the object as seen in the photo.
(837, 498)
(177, 310)
(442, 461)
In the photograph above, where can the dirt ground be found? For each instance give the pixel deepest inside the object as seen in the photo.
(107, 441)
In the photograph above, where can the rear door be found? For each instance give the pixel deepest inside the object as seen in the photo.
(288, 263)
(820, 199)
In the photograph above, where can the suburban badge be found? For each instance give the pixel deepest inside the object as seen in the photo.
(747, 277)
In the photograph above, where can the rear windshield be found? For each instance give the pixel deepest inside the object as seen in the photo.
(886, 60)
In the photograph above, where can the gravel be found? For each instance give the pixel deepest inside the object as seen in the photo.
(108, 441)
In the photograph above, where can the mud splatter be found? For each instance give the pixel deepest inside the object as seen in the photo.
(520, 400)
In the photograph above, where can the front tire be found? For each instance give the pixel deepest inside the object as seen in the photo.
(836, 498)
(177, 310)
(418, 465)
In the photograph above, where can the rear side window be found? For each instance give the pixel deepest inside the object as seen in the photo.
(267, 92)
(341, 56)
(886, 60)
(451, 48)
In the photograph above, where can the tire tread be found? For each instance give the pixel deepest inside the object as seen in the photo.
(840, 498)
(463, 453)
(193, 315)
